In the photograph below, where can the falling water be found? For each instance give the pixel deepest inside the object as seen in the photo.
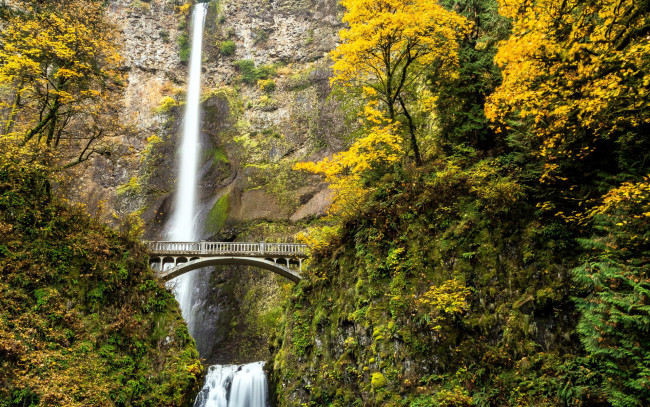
(183, 228)
(226, 385)
(233, 386)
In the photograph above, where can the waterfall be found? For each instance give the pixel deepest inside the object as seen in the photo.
(183, 221)
(226, 385)
(234, 386)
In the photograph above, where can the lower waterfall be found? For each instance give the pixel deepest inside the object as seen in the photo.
(234, 386)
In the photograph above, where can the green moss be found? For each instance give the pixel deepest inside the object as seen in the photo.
(410, 239)
(218, 155)
(217, 215)
(131, 188)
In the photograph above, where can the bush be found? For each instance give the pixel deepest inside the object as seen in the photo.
(227, 48)
(266, 85)
(166, 104)
(250, 74)
(183, 47)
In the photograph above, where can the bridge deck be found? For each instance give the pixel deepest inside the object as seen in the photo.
(205, 249)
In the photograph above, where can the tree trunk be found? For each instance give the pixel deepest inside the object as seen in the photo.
(414, 141)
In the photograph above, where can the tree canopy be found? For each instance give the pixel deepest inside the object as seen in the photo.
(387, 48)
(577, 75)
(58, 77)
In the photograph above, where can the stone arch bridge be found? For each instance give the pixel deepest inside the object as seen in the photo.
(172, 259)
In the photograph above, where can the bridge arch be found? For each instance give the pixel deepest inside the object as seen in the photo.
(186, 267)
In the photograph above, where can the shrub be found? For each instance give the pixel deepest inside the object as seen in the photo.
(227, 48)
(250, 73)
(166, 104)
(266, 85)
(183, 47)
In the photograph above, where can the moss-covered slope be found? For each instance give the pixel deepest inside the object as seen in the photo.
(83, 322)
(447, 290)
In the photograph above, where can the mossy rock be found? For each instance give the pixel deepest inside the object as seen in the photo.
(378, 381)
(218, 214)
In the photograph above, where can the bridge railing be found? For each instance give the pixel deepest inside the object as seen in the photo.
(227, 248)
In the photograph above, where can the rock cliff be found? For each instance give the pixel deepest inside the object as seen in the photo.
(266, 105)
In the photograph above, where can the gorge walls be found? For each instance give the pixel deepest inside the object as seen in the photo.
(265, 106)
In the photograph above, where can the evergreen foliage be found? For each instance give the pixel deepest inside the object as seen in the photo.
(615, 314)
(459, 111)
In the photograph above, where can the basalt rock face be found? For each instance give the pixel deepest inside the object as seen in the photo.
(147, 33)
(265, 106)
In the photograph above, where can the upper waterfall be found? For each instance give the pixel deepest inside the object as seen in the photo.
(183, 227)
(183, 220)
(233, 386)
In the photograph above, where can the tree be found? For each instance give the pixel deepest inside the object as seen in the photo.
(577, 74)
(615, 313)
(388, 47)
(348, 172)
(459, 109)
(58, 65)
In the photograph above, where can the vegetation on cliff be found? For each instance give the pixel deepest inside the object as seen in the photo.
(511, 267)
(83, 321)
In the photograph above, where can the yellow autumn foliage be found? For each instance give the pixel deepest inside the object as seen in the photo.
(385, 35)
(447, 299)
(386, 49)
(577, 71)
(346, 171)
(60, 69)
(627, 195)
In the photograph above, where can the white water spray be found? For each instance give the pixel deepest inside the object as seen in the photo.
(233, 386)
(183, 221)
